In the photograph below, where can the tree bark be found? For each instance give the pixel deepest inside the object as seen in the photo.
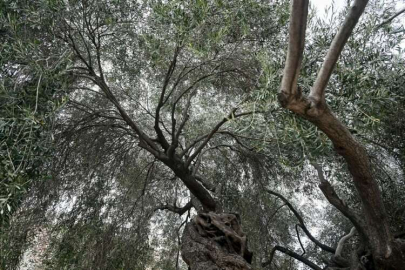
(382, 251)
(215, 242)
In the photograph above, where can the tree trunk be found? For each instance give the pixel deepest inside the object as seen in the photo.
(215, 242)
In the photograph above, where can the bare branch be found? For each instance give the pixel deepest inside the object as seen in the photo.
(318, 90)
(301, 221)
(78, 53)
(391, 18)
(291, 254)
(334, 199)
(298, 24)
(176, 134)
(299, 239)
(193, 143)
(180, 77)
(145, 141)
(202, 137)
(213, 131)
(343, 240)
(166, 81)
(188, 89)
(175, 209)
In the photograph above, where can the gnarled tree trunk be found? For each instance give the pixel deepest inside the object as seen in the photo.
(215, 242)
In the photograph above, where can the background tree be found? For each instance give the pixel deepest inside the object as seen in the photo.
(31, 90)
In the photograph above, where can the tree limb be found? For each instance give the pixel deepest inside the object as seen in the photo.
(175, 209)
(145, 141)
(213, 131)
(299, 239)
(334, 199)
(161, 137)
(291, 254)
(301, 221)
(343, 240)
(391, 18)
(317, 93)
(298, 24)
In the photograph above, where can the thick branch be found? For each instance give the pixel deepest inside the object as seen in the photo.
(191, 182)
(298, 24)
(175, 209)
(334, 199)
(145, 141)
(291, 254)
(318, 90)
(342, 241)
(376, 227)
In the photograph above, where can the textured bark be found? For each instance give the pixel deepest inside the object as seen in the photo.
(215, 242)
(186, 176)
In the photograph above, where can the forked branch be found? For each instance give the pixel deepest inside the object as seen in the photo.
(375, 230)
(161, 138)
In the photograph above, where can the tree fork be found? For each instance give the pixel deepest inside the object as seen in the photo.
(386, 252)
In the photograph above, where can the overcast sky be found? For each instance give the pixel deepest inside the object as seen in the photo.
(322, 4)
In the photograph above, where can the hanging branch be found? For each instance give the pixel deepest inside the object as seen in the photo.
(301, 221)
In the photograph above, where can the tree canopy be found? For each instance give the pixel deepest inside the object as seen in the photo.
(137, 133)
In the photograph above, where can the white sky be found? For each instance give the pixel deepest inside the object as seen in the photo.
(322, 4)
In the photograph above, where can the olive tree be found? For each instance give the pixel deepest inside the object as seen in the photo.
(173, 106)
